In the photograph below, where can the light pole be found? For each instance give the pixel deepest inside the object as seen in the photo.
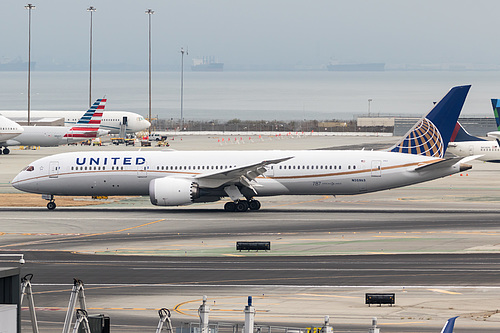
(182, 86)
(369, 104)
(149, 12)
(91, 9)
(29, 7)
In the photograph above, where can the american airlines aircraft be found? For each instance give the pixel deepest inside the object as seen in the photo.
(49, 136)
(174, 178)
(112, 121)
(8, 129)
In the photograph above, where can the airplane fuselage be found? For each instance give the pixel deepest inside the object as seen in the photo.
(9, 129)
(111, 120)
(488, 150)
(306, 172)
(45, 136)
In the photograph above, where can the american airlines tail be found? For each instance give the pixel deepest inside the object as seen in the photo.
(431, 135)
(89, 123)
(449, 325)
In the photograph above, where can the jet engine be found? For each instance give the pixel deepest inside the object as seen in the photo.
(171, 191)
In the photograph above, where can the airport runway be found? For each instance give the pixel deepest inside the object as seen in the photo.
(324, 258)
(435, 245)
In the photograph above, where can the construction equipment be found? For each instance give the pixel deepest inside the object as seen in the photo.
(77, 293)
(164, 317)
(81, 317)
(26, 290)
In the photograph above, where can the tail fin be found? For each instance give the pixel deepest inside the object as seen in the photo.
(460, 134)
(430, 136)
(496, 106)
(88, 125)
(449, 325)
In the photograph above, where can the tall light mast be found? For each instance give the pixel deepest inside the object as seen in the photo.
(91, 9)
(150, 12)
(182, 86)
(29, 7)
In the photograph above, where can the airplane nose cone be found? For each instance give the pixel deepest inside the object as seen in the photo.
(15, 182)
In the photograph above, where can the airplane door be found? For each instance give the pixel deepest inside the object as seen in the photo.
(142, 170)
(125, 120)
(376, 168)
(471, 150)
(270, 171)
(54, 169)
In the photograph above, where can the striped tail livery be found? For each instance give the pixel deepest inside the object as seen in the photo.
(89, 123)
(430, 136)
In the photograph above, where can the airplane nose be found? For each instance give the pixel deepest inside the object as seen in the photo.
(15, 182)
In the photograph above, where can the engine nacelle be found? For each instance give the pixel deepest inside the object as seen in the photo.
(170, 191)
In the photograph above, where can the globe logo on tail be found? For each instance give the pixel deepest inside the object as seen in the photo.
(424, 139)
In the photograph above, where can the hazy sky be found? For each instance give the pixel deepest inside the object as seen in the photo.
(257, 32)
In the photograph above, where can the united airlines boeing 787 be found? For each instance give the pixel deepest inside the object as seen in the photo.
(173, 178)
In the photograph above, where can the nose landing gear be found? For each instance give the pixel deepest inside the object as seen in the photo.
(51, 205)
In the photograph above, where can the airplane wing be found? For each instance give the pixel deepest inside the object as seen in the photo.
(240, 175)
(448, 163)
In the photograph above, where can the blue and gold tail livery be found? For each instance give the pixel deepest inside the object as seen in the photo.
(496, 106)
(430, 136)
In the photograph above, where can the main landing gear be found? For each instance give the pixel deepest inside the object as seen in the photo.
(4, 151)
(242, 205)
(51, 205)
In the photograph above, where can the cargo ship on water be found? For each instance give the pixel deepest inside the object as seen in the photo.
(364, 67)
(207, 64)
(14, 65)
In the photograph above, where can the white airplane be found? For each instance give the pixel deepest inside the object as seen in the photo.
(112, 121)
(49, 136)
(174, 178)
(8, 129)
(464, 144)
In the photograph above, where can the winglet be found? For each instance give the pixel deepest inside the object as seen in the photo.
(449, 325)
(430, 136)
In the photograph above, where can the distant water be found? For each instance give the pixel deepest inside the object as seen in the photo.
(252, 95)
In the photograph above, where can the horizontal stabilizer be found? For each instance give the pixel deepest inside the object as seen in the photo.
(448, 163)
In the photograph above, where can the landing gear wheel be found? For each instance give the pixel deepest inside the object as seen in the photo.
(230, 207)
(242, 206)
(51, 205)
(6, 151)
(254, 204)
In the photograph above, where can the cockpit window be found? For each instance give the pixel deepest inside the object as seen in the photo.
(29, 168)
